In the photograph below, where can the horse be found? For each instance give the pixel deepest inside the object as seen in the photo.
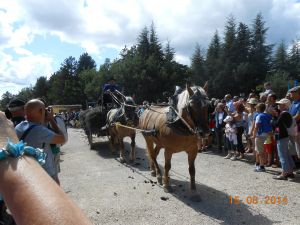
(116, 118)
(183, 134)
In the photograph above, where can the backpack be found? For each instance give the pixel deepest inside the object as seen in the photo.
(293, 129)
(62, 126)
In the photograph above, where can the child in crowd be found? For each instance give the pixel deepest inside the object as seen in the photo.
(262, 129)
(230, 138)
(251, 103)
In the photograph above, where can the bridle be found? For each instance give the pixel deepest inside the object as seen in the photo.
(199, 99)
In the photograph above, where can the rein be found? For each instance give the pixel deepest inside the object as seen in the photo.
(184, 121)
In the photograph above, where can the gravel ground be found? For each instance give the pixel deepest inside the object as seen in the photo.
(113, 193)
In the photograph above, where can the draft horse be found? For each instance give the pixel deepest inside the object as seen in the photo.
(184, 134)
(124, 115)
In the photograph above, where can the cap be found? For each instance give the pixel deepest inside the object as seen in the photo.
(252, 101)
(294, 89)
(228, 119)
(15, 104)
(284, 101)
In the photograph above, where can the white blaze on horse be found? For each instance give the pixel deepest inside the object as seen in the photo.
(184, 133)
(117, 122)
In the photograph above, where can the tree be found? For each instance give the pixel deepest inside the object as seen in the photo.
(85, 62)
(155, 48)
(5, 98)
(225, 78)
(213, 64)
(197, 66)
(260, 52)
(242, 43)
(242, 76)
(26, 93)
(294, 60)
(280, 61)
(41, 88)
(143, 46)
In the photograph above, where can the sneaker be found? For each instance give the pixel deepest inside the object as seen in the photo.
(233, 158)
(241, 156)
(280, 177)
(227, 156)
(290, 175)
(260, 169)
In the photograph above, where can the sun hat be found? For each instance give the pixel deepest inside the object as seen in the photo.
(284, 101)
(294, 89)
(252, 101)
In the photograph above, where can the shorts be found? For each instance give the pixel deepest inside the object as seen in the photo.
(259, 143)
(230, 145)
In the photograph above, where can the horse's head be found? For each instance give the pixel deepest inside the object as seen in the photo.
(130, 111)
(196, 109)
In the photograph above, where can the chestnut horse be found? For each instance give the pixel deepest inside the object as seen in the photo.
(124, 115)
(192, 124)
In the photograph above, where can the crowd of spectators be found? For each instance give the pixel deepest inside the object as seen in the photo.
(261, 126)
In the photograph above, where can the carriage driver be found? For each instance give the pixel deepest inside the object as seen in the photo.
(110, 86)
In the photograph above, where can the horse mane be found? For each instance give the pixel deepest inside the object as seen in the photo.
(183, 98)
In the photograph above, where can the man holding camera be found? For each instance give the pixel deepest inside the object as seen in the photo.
(35, 134)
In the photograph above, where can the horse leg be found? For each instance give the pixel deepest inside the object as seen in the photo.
(154, 164)
(152, 167)
(111, 138)
(132, 153)
(122, 158)
(168, 157)
(90, 138)
(191, 158)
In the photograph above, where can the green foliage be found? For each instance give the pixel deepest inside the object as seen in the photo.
(5, 98)
(279, 82)
(197, 66)
(26, 94)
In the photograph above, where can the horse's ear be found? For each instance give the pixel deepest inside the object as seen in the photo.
(205, 87)
(189, 89)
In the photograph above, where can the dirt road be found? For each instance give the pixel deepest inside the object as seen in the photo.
(113, 193)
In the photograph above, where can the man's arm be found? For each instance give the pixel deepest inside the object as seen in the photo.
(297, 117)
(29, 193)
(59, 137)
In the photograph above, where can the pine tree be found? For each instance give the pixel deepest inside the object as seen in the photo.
(197, 66)
(280, 61)
(260, 52)
(213, 63)
(294, 60)
(242, 76)
(41, 87)
(85, 62)
(143, 46)
(242, 43)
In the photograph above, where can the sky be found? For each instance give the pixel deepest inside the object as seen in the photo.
(37, 35)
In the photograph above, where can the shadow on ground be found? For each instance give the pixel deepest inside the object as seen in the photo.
(103, 149)
(216, 205)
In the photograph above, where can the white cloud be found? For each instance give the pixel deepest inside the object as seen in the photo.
(22, 72)
(95, 24)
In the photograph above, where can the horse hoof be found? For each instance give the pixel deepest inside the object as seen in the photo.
(122, 160)
(195, 198)
(153, 173)
(168, 189)
(159, 180)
